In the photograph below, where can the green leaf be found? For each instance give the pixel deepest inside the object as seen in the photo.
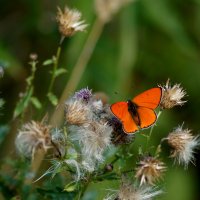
(47, 62)
(60, 71)
(71, 187)
(35, 101)
(23, 103)
(52, 98)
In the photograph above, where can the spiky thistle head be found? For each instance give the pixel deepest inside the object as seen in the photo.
(70, 21)
(31, 137)
(183, 144)
(129, 191)
(172, 95)
(149, 170)
(118, 135)
(93, 138)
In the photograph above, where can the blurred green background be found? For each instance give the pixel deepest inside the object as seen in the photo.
(146, 43)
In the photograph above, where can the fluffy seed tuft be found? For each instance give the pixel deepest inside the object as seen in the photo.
(31, 137)
(149, 170)
(172, 96)
(128, 191)
(69, 21)
(184, 144)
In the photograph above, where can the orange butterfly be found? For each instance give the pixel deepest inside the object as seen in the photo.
(139, 112)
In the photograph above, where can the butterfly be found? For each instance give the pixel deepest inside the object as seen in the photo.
(138, 113)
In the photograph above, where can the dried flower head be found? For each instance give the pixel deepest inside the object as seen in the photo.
(128, 191)
(107, 8)
(149, 170)
(172, 96)
(184, 144)
(58, 141)
(77, 112)
(31, 137)
(69, 22)
(87, 122)
(118, 135)
(93, 138)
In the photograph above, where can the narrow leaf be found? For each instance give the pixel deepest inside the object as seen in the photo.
(60, 71)
(52, 98)
(47, 62)
(70, 187)
(23, 103)
(35, 101)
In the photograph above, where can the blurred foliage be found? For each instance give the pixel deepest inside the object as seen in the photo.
(148, 42)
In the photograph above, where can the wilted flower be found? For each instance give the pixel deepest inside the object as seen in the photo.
(118, 134)
(172, 96)
(58, 141)
(93, 138)
(86, 117)
(149, 170)
(69, 22)
(107, 8)
(184, 144)
(128, 191)
(77, 112)
(31, 137)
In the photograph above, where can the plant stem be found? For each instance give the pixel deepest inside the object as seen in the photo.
(151, 130)
(55, 66)
(78, 69)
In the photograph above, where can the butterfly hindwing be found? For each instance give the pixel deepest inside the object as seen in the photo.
(120, 110)
(147, 117)
(149, 98)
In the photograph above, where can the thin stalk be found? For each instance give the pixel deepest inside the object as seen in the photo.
(151, 130)
(38, 158)
(55, 66)
(84, 188)
(78, 69)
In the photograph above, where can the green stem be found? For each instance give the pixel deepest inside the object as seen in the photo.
(151, 130)
(55, 66)
(84, 188)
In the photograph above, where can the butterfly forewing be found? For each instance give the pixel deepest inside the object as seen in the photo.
(149, 98)
(120, 110)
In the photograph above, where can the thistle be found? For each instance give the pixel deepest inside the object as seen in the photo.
(31, 137)
(69, 22)
(172, 96)
(184, 145)
(149, 170)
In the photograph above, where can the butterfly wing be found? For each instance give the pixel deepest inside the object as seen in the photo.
(149, 98)
(147, 117)
(120, 110)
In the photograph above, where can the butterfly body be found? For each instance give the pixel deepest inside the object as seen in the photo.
(132, 109)
(138, 113)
